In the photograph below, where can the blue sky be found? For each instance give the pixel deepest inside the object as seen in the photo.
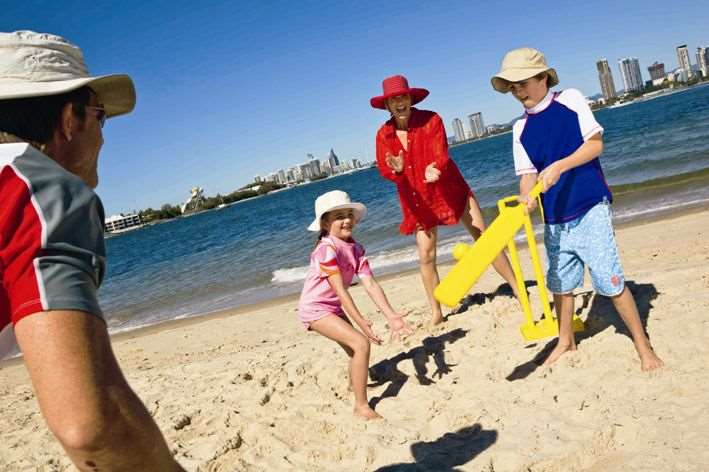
(228, 90)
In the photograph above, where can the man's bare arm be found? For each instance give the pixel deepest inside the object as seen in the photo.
(84, 396)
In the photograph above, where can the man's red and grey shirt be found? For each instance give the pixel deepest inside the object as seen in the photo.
(52, 251)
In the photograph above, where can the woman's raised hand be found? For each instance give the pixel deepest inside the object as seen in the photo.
(432, 174)
(395, 163)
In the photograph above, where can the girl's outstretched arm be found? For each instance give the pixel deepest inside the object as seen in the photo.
(350, 308)
(397, 326)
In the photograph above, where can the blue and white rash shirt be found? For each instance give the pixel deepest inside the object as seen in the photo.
(550, 131)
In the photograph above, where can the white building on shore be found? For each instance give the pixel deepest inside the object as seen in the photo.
(121, 222)
(194, 202)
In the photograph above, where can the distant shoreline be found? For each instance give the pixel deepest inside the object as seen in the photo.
(475, 140)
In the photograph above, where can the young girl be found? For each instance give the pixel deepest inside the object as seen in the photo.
(333, 264)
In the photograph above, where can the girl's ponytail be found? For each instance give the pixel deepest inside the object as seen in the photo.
(322, 234)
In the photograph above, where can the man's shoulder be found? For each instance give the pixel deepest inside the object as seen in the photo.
(54, 189)
(38, 168)
(10, 152)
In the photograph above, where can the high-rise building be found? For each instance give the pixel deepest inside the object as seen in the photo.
(683, 59)
(606, 78)
(326, 168)
(657, 71)
(703, 60)
(304, 171)
(477, 128)
(458, 130)
(333, 160)
(630, 73)
(314, 165)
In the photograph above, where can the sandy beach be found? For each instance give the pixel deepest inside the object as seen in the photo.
(251, 390)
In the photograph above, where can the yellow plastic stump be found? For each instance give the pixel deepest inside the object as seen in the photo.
(474, 260)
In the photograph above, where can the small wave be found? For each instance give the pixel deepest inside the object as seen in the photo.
(290, 275)
(394, 257)
(379, 262)
(629, 214)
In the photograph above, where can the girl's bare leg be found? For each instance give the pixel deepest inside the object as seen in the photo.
(475, 224)
(342, 332)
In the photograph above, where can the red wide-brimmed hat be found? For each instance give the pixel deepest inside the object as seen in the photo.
(397, 85)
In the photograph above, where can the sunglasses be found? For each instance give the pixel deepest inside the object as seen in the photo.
(100, 114)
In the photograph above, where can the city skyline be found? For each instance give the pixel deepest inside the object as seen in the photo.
(310, 170)
(227, 91)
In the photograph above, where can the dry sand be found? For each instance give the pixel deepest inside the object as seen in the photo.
(251, 390)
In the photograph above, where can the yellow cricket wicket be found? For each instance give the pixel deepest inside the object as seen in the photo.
(473, 260)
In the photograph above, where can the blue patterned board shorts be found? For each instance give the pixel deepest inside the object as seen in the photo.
(586, 241)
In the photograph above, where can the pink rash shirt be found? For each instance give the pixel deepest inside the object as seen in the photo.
(331, 255)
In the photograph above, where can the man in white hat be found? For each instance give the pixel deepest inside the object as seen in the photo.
(52, 256)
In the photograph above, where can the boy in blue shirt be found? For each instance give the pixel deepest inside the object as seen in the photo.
(558, 142)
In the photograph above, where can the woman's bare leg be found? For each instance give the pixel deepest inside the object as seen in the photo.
(426, 242)
(474, 222)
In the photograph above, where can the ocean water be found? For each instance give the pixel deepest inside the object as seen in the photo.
(656, 159)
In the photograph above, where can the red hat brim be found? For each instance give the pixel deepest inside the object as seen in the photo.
(417, 95)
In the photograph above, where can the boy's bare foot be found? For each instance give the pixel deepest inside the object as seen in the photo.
(649, 360)
(559, 350)
(367, 413)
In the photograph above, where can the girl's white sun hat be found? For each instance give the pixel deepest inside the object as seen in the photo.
(335, 200)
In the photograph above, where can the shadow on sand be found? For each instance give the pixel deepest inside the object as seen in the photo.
(448, 451)
(387, 370)
(503, 290)
(601, 315)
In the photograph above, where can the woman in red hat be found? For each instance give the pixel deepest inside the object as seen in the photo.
(412, 152)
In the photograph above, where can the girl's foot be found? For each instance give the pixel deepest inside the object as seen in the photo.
(367, 413)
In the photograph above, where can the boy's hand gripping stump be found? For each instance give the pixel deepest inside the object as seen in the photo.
(473, 260)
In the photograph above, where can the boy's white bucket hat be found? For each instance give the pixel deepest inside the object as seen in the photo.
(522, 64)
(40, 64)
(335, 200)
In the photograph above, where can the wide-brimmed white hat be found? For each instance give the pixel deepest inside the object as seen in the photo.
(335, 200)
(522, 64)
(40, 64)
